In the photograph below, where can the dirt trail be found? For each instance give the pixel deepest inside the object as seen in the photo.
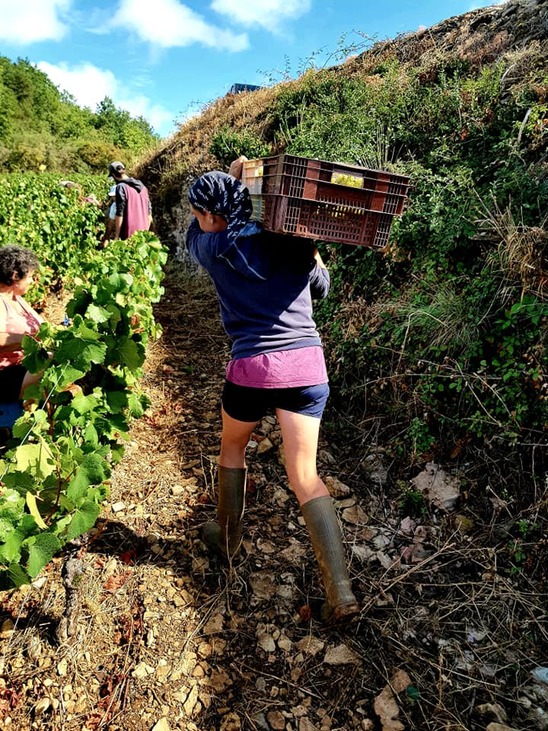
(166, 639)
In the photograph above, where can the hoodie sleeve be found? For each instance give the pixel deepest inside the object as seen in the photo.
(120, 199)
(320, 282)
(201, 246)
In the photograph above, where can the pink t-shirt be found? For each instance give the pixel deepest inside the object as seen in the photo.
(282, 369)
(15, 321)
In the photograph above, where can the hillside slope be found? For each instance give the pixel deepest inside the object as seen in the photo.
(480, 37)
(443, 333)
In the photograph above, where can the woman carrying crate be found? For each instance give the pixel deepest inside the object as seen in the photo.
(265, 284)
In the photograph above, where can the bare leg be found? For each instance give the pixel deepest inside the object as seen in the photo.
(234, 440)
(300, 437)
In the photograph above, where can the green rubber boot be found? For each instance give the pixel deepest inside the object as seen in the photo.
(225, 536)
(325, 533)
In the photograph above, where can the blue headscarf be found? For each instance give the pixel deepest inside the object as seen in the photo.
(225, 196)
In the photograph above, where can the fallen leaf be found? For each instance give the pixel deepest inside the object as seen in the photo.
(116, 581)
(128, 557)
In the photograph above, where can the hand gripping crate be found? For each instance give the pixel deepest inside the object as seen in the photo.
(325, 200)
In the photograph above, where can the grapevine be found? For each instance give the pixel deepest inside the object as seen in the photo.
(63, 230)
(55, 472)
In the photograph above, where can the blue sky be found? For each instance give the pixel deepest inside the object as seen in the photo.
(166, 59)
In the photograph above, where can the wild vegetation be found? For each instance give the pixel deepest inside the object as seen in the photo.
(42, 128)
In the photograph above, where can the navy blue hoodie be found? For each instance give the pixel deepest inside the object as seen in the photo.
(265, 284)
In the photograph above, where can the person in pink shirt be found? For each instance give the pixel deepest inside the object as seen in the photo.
(133, 208)
(17, 319)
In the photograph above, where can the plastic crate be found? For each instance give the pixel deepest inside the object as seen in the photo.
(325, 200)
(252, 176)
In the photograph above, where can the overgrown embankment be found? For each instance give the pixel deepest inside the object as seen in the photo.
(437, 345)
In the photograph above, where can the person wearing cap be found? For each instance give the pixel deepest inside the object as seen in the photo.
(133, 209)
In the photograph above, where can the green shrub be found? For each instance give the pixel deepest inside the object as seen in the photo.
(228, 144)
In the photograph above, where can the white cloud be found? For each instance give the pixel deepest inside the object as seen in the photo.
(266, 13)
(169, 23)
(140, 106)
(29, 21)
(488, 3)
(89, 85)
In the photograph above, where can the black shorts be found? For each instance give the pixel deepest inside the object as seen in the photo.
(11, 380)
(251, 404)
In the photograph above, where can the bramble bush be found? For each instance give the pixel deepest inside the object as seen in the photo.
(442, 335)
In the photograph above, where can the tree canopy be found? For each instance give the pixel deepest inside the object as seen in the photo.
(42, 127)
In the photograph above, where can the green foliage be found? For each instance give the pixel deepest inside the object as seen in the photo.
(521, 550)
(419, 438)
(54, 474)
(97, 155)
(43, 128)
(119, 128)
(411, 502)
(327, 117)
(40, 214)
(445, 332)
(228, 144)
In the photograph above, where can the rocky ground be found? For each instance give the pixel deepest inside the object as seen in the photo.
(453, 631)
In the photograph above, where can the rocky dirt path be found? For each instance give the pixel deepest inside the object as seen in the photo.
(166, 639)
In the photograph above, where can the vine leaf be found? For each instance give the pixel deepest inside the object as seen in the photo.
(17, 575)
(83, 520)
(98, 314)
(92, 471)
(41, 551)
(81, 349)
(129, 353)
(36, 459)
(10, 549)
(33, 509)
